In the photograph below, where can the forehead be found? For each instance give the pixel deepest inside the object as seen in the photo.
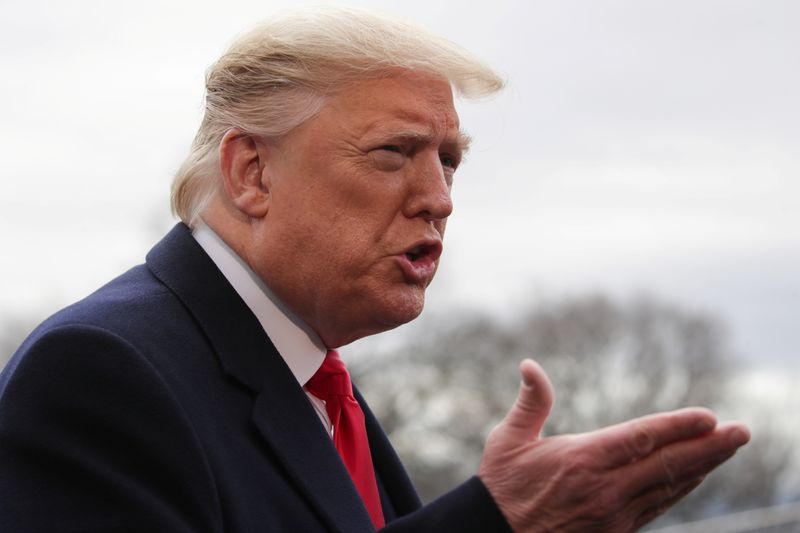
(421, 102)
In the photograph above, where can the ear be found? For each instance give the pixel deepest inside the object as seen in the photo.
(242, 160)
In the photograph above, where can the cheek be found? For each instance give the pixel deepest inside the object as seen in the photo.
(343, 243)
(368, 221)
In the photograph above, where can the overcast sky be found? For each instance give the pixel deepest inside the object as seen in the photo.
(640, 146)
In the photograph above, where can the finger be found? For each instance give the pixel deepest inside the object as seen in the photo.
(679, 461)
(623, 443)
(528, 414)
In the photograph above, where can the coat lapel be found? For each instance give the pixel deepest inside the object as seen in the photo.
(282, 413)
(398, 488)
(302, 445)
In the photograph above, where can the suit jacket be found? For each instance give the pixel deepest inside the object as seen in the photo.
(159, 404)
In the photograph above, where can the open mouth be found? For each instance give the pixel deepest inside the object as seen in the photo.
(414, 253)
(419, 261)
(428, 251)
(420, 252)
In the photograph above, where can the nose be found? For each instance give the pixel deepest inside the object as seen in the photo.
(429, 192)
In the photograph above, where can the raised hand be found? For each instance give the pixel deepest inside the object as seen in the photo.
(613, 479)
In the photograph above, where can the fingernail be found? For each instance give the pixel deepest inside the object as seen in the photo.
(739, 437)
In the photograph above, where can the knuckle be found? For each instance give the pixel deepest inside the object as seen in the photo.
(643, 439)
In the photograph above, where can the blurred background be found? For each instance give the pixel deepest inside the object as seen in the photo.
(629, 214)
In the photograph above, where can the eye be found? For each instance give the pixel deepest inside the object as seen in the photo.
(388, 157)
(449, 161)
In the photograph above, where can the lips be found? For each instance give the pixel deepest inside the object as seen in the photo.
(418, 262)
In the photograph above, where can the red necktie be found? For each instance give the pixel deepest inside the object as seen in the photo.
(332, 384)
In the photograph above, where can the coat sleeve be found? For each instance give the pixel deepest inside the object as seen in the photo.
(466, 509)
(92, 439)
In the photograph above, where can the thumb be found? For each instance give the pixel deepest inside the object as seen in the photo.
(528, 414)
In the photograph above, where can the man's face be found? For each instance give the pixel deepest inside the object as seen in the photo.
(359, 198)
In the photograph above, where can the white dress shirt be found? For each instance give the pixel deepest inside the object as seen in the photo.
(300, 347)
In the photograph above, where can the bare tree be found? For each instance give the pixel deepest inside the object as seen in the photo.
(612, 361)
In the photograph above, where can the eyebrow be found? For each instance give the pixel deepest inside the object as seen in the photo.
(462, 141)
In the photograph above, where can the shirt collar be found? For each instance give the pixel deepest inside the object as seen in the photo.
(300, 347)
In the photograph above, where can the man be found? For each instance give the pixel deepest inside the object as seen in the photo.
(186, 394)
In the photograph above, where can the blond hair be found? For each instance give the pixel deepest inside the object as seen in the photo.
(281, 73)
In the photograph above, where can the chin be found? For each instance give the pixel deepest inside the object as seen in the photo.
(380, 318)
(380, 310)
(402, 310)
